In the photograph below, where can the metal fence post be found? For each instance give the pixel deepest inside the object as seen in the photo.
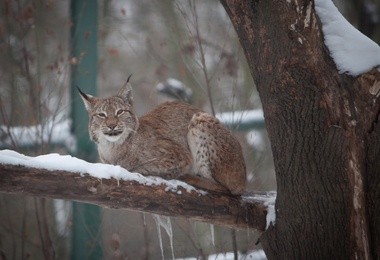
(86, 230)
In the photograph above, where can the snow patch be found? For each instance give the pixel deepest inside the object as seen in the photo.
(252, 255)
(176, 89)
(256, 140)
(241, 117)
(56, 162)
(268, 200)
(53, 131)
(353, 52)
(271, 215)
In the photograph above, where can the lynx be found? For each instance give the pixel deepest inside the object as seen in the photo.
(173, 141)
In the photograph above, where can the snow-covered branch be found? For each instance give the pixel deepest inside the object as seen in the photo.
(66, 177)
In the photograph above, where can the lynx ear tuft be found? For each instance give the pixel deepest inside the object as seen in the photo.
(129, 77)
(126, 91)
(88, 100)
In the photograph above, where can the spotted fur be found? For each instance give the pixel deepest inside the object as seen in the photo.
(175, 140)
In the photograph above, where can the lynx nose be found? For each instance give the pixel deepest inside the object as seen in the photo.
(112, 126)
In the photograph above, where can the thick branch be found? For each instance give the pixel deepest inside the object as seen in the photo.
(217, 208)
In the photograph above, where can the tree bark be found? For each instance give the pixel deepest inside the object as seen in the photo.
(324, 134)
(221, 209)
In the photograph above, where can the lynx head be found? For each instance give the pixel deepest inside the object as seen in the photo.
(111, 119)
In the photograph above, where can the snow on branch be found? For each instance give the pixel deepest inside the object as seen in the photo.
(66, 177)
(353, 52)
(56, 162)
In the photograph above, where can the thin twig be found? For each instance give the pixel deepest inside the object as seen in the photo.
(7, 123)
(203, 61)
(23, 229)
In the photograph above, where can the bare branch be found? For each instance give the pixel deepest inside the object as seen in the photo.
(221, 209)
(203, 61)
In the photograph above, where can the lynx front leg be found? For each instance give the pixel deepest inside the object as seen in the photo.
(216, 153)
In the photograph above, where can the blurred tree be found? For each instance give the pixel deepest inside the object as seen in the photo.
(33, 92)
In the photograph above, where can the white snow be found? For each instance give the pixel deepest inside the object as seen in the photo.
(256, 140)
(271, 215)
(174, 84)
(252, 255)
(252, 117)
(53, 131)
(54, 162)
(269, 200)
(238, 117)
(353, 52)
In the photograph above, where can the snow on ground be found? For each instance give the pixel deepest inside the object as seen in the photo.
(269, 200)
(54, 132)
(98, 170)
(353, 52)
(253, 255)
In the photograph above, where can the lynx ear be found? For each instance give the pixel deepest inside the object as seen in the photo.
(126, 92)
(88, 100)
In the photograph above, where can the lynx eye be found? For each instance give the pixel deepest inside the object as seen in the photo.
(101, 115)
(120, 112)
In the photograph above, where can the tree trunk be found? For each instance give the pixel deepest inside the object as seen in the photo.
(323, 131)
